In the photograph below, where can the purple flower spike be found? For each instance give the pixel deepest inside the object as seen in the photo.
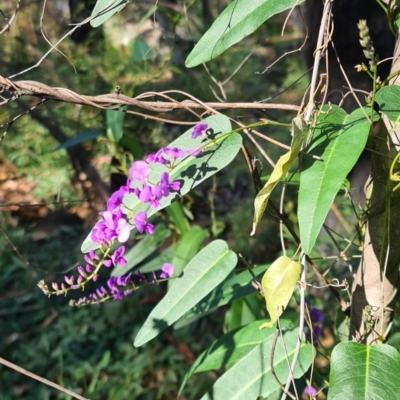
(142, 225)
(152, 195)
(310, 391)
(198, 130)
(139, 171)
(167, 271)
(117, 256)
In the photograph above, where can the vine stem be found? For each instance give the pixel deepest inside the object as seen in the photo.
(318, 53)
(301, 323)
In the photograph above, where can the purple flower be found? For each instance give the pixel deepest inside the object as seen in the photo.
(310, 391)
(141, 224)
(198, 130)
(173, 152)
(314, 331)
(124, 280)
(117, 258)
(116, 198)
(316, 315)
(166, 186)
(167, 271)
(157, 158)
(139, 171)
(112, 226)
(152, 195)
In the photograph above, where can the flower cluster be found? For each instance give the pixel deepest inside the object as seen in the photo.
(116, 223)
(366, 43)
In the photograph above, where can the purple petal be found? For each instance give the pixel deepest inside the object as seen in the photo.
(198, 130)
(310, 391)
(123, 230)
(167, 270)
(139, 171)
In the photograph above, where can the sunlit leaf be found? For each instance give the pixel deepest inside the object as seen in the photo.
(339, 140)
(204, 272)
(299, 131)
(219, 150)
(252, 377)
(364, 372)
(388, 99)
(238, 20)
(108, 8)
(278, 284)
(188, 247)
(231, 347)
(233, 288)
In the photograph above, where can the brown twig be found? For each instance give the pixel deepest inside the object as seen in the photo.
(40, 379)
(116, 100)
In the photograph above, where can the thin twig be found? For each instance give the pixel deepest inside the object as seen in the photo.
(318, 54)
(11, 19)
(301, 323)
(40, 379)
(271, 363)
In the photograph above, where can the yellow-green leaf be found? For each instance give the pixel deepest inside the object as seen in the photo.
(299, 132)
(278, 284)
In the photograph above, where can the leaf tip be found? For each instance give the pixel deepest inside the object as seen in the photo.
(266, 325)
(254, 229)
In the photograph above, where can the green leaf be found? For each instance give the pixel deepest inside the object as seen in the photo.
(204, 272)
(234, 288)
(108, 8)
(115, 122)
(218, 151)
(299, 131)
(238, 20)
(339, 140)
(278, 284)
(175, 212)
(251, 376)
(141, 51)
(388, 99)
(398, 19)
(158, 261)
(231, 347)
(188, 247)
(364, 372)
(142, 250)
(83, 137)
